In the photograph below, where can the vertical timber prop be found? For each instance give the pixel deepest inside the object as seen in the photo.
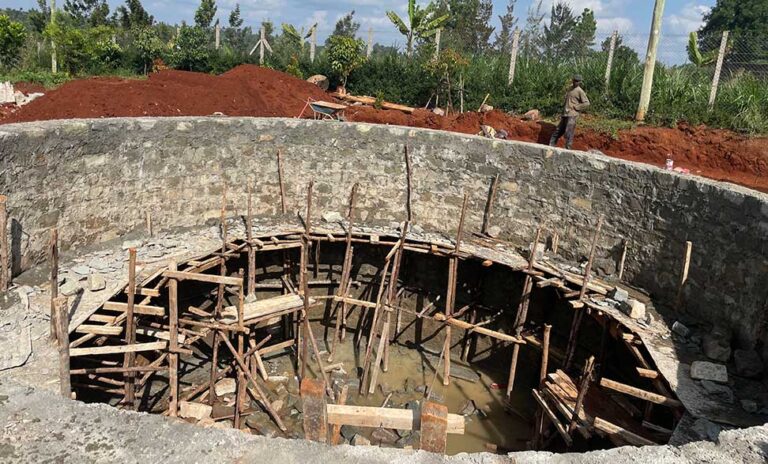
(5, 280)
(578, 315)
(522, 311)
(173, 344)
(61, 324)
(130, 331)
(545, 353)
(53, 259)
(341, 309)
(489, 205)
(251, 249)
(450, 300)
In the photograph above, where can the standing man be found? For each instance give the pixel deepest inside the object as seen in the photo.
(576, 101)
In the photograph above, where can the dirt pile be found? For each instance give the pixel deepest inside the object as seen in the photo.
(246, 90)
(249, 90)
(713, 153)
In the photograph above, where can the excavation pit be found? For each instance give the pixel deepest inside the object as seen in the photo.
(151, 184)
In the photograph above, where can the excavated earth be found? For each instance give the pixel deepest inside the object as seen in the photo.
(250, 90)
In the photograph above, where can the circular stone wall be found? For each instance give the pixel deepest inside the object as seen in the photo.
(97, 179)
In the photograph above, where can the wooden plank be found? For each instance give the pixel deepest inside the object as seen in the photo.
(102, 350)
(105, 318)
(99, 329)
(638, 393)
(548, 411)
(477, 329)
(146, 310)
(264, 308)
(153, 292)
(389, 418)
(647, 373)
(209, 278)
(276, 347)
(159, 334)
(116, 370)
(314, 407)
(626, 435)
(434, 427)
(336, 429)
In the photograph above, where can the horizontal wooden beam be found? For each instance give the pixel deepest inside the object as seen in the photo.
(638, 393)
(389, 418)
(144, 291)
(624, 434)
(99, 329)
(647, 373)
(117, 370)
(209, 278)
(114, 349)
(477, 329)
(146, 310)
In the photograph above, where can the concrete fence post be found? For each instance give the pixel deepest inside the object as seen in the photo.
(513, 56)
(369, 49)
(718, 70)
(609, 65)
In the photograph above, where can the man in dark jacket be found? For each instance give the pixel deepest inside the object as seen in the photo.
(576, 101)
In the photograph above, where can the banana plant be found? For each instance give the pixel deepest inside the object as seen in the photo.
(297, 35)
(695, 55)
(422, 23)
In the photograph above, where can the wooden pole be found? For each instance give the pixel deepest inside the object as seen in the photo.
(513, 56)
(130, 329)
(545, 353)
(586, 378)
(609, 65)
(53, 259)
(218, 36)
(61, 316)
(173, 344)
(345, 271)
(623, 260)
(408, 185)
(54, 60)
(251, 250)
(311, 336)
(718, 70)
(522, 312)
(450, 300)
(312, 44)
(579, 313)
(280, 178)
(684, 273)
(262, 42)
(148, 220)
(489, 205)
(5, 280)
(241, 383)
(369, 48)
(650, 61)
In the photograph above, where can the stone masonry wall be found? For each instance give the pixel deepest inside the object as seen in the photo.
(96, 179)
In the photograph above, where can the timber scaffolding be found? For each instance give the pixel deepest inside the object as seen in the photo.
(127, 342)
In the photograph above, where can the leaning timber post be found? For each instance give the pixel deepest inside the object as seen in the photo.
(513, 56)
(585, 379)
(408, 185)
(173, 343)
(53, 259)
(303, 276)
(61, 317)
(650, 61)
(345, 271)
(5, 280)
(130, 329)
(684, 274)
(489, 205)
(280, 178)
(148, 220)
(450, 300)
(545, 353)
(308, 334)
(522, 311)
(623, 260)
(251, 250)
(718, 70)
(241, 383)
(579, 312)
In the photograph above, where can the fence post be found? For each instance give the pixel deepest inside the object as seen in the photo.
(650, 61)
(54, 60)
(513, 56)
(369, 50)
(5, 253)
(718, 69)
(437, 43)
(218, 35)
(312, 44)
(611, 50)
(262, 41)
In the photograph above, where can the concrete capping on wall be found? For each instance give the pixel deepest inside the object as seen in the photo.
(96, 179)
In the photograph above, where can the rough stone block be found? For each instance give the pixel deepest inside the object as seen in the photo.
(69, 288)
(618, 294)
(680, 329)
(225, 386)
(190, 410)
(314, 409)
(633, 309)
(96, 282)
(359, 440)
(748, 363)
(716, 348)
(434, 427)
(703, 370)
(722, 392)
(382, 436)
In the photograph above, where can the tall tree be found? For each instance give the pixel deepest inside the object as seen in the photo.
(41, 17)
(503, 40)
(584, 33)
(12, 36)
(748, 22)
(235, 20)
(558, 34)
(468, 29)
(531, 35)
(422, 23)
(90, 12)
(346, 26)
(205, 13)
(133, 14)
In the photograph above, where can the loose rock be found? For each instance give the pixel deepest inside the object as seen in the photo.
(716, 347)
(703, 370)
(384, 436)
(96, 282)
(192, 410)
(359, 440)
(680, 329)
(722, 392)
(69, 288)
(619, 294)
(633, 308)
(225, 387)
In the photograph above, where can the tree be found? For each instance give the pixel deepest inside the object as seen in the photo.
(205, 13)
(192, 49)
(468, 29)
(503, 40)
(446, 70)
(83, 50)
(531, 36)
(345, 55)
(88, 12)
(422, 23)
(296, 37)
(12, 36)
(235, 35)
(558, 34)
(41, 17)
(345, 27)
(133, 14)
(235, 21)
(620, 52)
(747, 21)
(584, 33)
(148, 47)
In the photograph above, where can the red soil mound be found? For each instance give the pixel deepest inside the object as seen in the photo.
(243, 91)
(253, 91)
(717, 154)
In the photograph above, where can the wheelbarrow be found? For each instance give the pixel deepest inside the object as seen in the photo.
(327, 110)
